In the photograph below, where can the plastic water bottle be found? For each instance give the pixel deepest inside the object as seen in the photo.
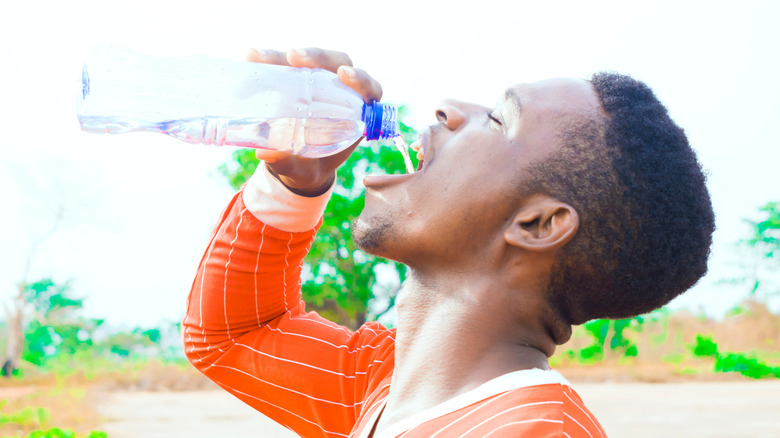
(201, 99)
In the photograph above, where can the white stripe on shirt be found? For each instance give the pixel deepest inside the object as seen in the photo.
(517, 407)
(257, 269)
(307, 365)
(281, 408)
(471, 412)
(290, 389)
(578, 424)
(586, 413)
(284, 273)
(538, 420)
(227, 270)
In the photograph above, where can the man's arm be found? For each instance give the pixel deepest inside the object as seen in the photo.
(246, 327)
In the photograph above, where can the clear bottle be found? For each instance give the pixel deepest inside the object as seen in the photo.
(201, 99)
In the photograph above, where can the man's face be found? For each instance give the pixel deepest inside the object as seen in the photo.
(469, 186)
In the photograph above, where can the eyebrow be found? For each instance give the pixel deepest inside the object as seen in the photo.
(511, 94)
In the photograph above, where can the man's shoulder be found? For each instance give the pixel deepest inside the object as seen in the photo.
(538, 403)
(540, 407)
(551, 402)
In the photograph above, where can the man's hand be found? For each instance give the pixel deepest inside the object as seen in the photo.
(313, 176)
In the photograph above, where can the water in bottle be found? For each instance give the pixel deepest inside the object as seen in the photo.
(205, 100)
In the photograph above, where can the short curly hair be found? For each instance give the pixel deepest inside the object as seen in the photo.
(646, 218)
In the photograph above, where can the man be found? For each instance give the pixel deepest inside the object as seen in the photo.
(569, 200)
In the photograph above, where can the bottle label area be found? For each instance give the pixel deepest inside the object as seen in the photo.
(312, 137)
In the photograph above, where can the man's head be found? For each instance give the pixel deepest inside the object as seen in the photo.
(456, 208)
(585, 188)
(646, 216)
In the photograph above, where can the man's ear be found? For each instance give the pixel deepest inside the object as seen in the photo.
(543, 224)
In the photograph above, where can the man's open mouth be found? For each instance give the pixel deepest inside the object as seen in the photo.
(417, 146)
(377, 181)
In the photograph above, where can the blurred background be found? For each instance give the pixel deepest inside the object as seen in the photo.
(101, 235)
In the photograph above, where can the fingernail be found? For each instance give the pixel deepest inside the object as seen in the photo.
(261, 53)
(301, 53)
(349, 71)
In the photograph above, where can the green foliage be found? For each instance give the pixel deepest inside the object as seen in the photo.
(56, 338)
(56, 432)
(673, 358)
(611, 333)
(55, 327)
(747, 366)
(761, 253)
(241, 167)
(340, 279)
(631, 351)
(25, 417)
(766, 232)
(125, 343)
(705, 347)
(49, 299)
(733, 362)
(39, 417)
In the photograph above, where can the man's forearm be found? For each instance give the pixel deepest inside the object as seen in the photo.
(250, 272)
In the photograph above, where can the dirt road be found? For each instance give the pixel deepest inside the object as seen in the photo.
(711, 409)
(706, 409)
(192, 414)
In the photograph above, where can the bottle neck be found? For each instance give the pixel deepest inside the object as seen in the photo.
(381, 121)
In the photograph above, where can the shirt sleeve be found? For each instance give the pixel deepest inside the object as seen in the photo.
(246, 327)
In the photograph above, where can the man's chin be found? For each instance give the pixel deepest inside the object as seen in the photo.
(371, 236)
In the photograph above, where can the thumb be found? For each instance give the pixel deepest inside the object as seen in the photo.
(271, 155)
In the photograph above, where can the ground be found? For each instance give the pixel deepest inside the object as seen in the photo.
(664, 391)
(731, 409)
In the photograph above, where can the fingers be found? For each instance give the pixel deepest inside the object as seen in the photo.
(331, 60)
(361, 82)
(267, 56)
(304, 176)
(271, 155)
(340, 63)
(313, 57)
(283, 161)
(334, 161)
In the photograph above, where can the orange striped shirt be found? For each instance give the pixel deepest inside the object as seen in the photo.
(247, 330)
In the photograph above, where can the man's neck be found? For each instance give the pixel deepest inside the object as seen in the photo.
(454, 336)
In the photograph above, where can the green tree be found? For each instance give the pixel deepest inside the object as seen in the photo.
(611, 333)
(748, 366)
(55, 198)
(135, 341)
(766, 232)
(340, 280)
(763, 252)
(54, 327)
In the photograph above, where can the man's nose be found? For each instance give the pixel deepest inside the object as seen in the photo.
(451, 114)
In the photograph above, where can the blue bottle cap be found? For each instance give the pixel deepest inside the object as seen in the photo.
(381, 121)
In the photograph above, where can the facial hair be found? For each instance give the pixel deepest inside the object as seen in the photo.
(372, 237)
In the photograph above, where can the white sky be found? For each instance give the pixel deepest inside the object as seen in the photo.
(139, 207)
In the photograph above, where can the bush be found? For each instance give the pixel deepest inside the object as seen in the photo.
(733, 362)
(56, 432)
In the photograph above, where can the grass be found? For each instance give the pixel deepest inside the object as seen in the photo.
(664, 348)
(61, 401)
(56, 432)
(46, 403)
